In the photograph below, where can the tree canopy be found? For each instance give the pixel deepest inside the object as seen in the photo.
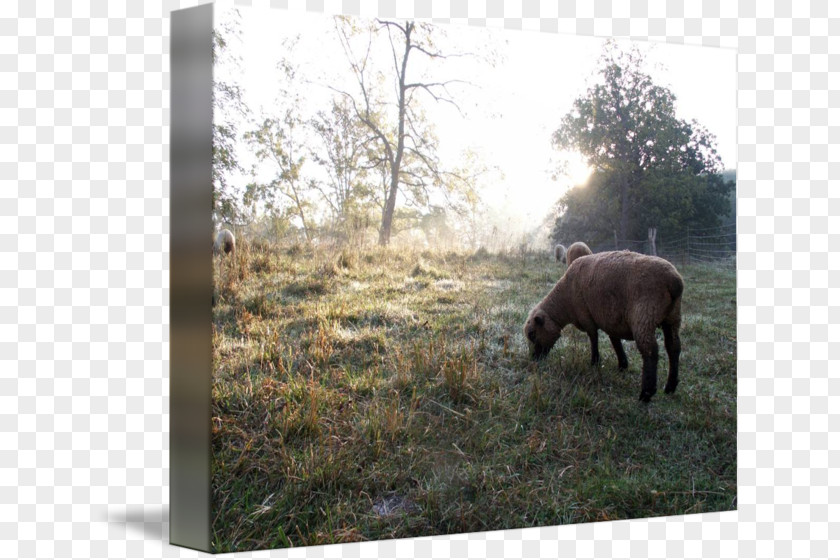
(651, 168)
(228, 110)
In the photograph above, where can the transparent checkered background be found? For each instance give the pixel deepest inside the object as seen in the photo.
(84, 242)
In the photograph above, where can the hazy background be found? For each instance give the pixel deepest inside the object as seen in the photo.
(521, 84)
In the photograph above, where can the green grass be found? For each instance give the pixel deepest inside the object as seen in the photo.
(388, 394)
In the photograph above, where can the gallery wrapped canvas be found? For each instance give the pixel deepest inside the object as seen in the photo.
(397, 250)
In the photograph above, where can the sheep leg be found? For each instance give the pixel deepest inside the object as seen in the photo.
(593, 344)
(619, 352)
(650, 355)
(672, 347)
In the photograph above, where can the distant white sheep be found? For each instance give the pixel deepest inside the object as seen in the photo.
(225, 241)
(559, 253)
(225, 244)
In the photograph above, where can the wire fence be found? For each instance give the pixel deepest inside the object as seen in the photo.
(715, 246)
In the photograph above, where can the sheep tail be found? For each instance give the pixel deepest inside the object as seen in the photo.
(675, 287)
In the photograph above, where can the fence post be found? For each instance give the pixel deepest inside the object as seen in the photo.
(652, 240)
(688, 243)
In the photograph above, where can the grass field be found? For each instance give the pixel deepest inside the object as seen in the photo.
(387, 394)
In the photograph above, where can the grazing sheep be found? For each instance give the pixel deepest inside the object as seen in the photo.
(225, 241)
(627, 295)
(559, 253)
(575, 250)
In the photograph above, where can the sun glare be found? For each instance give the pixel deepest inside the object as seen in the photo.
(577, 170)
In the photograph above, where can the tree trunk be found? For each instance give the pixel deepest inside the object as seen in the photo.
(292, 178)
(301, 214)
(652, 240)
(388, 212)
(625, 210)
(388, 215)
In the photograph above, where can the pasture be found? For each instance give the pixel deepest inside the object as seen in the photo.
(385, 393)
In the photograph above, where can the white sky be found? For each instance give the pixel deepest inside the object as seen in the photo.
(518, 104)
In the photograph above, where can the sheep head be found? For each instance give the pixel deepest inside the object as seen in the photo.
(542, 332)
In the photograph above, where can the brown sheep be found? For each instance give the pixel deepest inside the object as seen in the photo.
(575, 250)
(627, 295)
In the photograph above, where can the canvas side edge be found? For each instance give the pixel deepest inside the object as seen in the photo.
(190, 265)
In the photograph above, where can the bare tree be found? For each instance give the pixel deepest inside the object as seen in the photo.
(407, 142)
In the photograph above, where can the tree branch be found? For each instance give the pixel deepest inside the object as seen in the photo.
(386, 23)
(368, 122)
(439, 98)
(439, 55)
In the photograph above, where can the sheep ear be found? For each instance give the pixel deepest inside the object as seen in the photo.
(539, 320)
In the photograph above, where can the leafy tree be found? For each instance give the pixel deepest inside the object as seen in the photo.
(228, 110)
(651, 168)
(729, 177)
(286, 194)
(436, 227)
(282, 140)
(461, 194)
(345, 150)
(588, 212)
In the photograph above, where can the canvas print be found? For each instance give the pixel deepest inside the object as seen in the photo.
(466, 279)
